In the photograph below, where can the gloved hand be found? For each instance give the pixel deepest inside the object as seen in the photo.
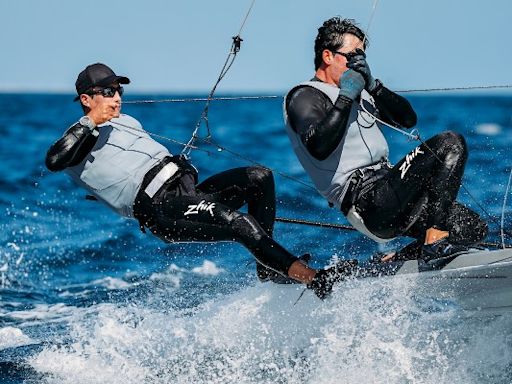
(358, 63)
(325, 279)
(351, 84)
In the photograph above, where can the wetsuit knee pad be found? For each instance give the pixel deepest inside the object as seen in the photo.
(260, 175)
(452, 141)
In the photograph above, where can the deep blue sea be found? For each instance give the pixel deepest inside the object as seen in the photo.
(85, 297)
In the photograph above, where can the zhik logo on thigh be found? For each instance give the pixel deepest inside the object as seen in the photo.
(203, 205)
(408, 160)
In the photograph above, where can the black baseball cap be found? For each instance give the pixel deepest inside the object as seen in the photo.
(97, 75)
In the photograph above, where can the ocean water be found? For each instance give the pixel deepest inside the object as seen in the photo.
(85, 297)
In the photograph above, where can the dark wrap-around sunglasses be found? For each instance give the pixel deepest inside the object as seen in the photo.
(106, 91)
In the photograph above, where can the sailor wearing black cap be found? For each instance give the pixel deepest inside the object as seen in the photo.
(97, 75)
(112, 157)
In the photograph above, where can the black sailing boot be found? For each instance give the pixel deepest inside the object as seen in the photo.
(441, 249)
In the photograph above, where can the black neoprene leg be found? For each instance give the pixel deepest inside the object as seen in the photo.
(465, 226)
(253, 186)
(202, 217)
(432, 172)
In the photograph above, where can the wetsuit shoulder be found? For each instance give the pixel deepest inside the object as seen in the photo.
(320, 123)
(305, 104)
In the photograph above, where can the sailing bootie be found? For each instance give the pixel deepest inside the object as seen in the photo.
(411, 251)
(325, 279)
(266, 274)
(441, 249)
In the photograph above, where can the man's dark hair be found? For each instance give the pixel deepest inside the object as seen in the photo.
(330, 36)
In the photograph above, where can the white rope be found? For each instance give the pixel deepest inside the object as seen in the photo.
(414, 135)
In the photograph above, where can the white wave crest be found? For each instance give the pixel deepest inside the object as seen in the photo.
(374, 331)
(11, 337)
(208, 269)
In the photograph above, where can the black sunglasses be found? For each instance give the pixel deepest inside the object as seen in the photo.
(107, 91)
(350, 55)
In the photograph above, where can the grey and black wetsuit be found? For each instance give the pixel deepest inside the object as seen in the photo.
(344, 152)
(122, 166)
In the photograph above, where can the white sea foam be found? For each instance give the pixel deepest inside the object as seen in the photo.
(112, 283)
(11, 337)
(84, 290)
(489, 129)
(208, 268)
(374, 331)
(43, 312)
(14, 246)
(172, 275)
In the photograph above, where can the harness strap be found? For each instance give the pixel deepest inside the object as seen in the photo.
(153, 187)
(361, 181)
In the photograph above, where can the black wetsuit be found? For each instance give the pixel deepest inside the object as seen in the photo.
(183, 211)
(209, 212)
(419, 192)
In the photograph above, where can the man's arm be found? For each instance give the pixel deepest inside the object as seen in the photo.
(71, 148)
(393, 108)
(320, 125)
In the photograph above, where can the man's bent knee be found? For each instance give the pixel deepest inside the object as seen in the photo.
(260, 175)
(454, 141)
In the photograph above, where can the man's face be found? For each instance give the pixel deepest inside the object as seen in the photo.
(337, 62)
(104, 101)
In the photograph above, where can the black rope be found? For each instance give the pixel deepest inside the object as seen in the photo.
(235, 48)
(284, 220)
(288, 220)
(315, 223)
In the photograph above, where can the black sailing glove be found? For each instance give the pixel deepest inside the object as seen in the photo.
(358, 63)
(325, 279)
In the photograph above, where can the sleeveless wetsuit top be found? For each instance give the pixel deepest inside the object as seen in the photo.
(362, 145)
(114, 169)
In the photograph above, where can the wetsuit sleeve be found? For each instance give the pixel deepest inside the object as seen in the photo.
(71, 148)
(320, 125)
(393, 108)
